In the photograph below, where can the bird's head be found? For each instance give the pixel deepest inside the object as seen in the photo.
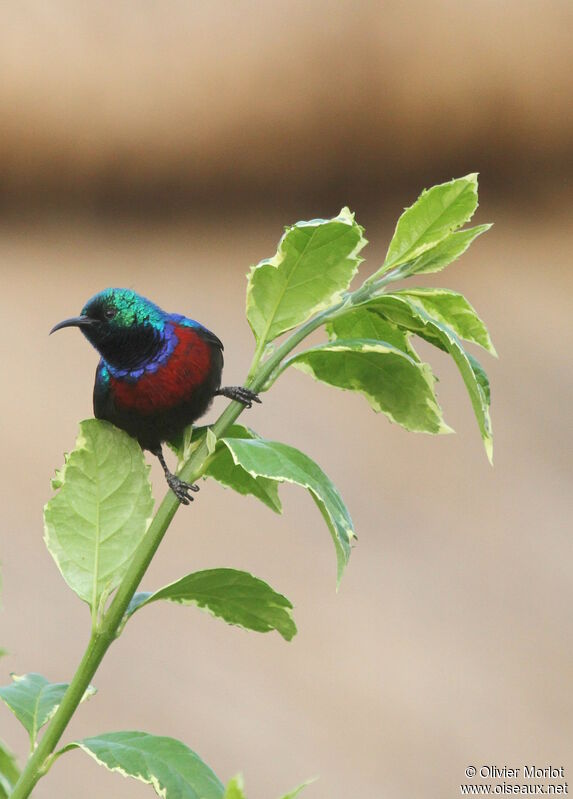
(123, 326)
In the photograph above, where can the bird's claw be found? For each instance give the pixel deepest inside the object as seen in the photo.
(181, 489)
(240, 394)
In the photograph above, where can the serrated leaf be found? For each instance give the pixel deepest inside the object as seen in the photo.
(9, 771)
(234, 596)
(411, 314)
(444, 253)
(453, 310)
(222, 468)
(33, 700)
(95, 522)
(279, 462)
(174, 770)
(391, 380)
(436, 213)
(235, 788)
(314, 264)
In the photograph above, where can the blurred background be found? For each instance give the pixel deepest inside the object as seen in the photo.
(163, 146)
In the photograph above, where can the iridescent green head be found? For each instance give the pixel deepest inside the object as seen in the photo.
(123, 326)
(121, 308)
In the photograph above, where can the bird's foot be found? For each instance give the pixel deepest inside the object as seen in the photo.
(240, 394)
(181, 489)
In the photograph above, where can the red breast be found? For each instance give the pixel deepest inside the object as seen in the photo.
(174, 382)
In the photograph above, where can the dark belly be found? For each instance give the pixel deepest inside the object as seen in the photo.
(151, 429)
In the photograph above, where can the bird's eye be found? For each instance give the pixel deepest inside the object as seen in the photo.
(109, 313)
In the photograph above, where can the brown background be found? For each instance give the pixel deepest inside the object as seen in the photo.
(163, 147)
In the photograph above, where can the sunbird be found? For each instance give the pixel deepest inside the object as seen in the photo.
(158, 372)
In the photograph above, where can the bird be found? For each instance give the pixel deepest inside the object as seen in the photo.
(158, 372)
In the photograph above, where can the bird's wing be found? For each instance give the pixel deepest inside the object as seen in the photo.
(211, 337)
(206, 334)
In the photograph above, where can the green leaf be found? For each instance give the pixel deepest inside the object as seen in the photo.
(222, 468)
(9, 771)
(3, 652)
(435, 214)
(453, 310)
(411, 314)
(482, 380)
(174, 770)
(220, 465)
(235, 788)
(279, 462)
(392, 381)
(361, 322)
(313, 266)
(443, 253)
(234, 596)
(95, 522)
(33, 700)
(298, 789)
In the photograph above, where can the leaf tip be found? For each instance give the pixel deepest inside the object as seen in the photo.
(341, 566)
(288, 633)
(346, 215)
(488, 444)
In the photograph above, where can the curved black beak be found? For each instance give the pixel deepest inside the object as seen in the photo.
(75, 321)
